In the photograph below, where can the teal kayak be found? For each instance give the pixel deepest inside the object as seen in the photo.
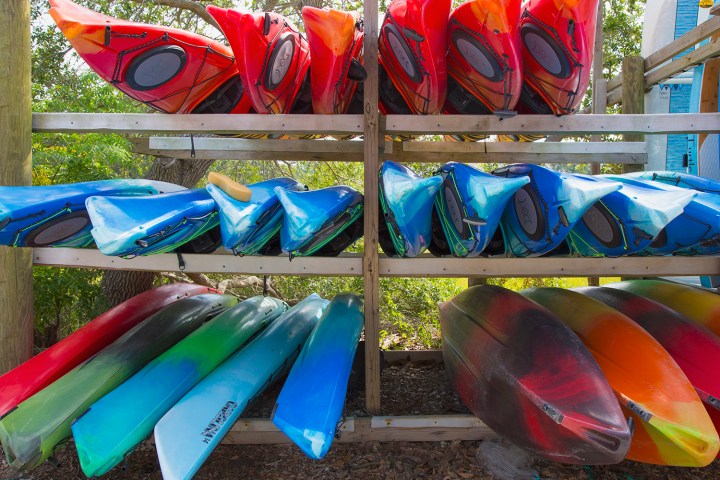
(30, 432)
(312, 399)
(191, 430)
(116, 423)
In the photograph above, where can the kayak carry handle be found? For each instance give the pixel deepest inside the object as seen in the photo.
(234, 189)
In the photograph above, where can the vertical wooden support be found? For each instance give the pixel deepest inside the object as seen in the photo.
(16, 293)
(633, 99)
(599, 84)
(370, 257)
(598, 106)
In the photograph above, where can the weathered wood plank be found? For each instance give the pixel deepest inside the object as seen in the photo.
(16, 280)
(633, 101)
(696, 57)
(690, 39)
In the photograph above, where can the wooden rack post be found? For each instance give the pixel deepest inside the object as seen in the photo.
(16, 292)
(633, 99)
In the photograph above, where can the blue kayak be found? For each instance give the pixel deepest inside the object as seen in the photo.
(406, 203)
(320, 222)
(248, 227)
(626, 221)
(694, 232)
(677, 179)
(132, 226)
(126, 416)
(191, 430)
(55, 215)
(312, 399)
(542, 213)
(469, 206)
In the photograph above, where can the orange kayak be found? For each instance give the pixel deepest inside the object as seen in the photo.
(672, 426)
(171, 70)
(698, 305)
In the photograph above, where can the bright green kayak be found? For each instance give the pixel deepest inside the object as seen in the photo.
(30, 433)
(120, 420)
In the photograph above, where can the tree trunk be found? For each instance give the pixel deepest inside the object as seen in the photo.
(118, 285)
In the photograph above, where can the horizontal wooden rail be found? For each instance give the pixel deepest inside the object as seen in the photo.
(349, 264)
(413, 151)
(641, 124)
(695, 57)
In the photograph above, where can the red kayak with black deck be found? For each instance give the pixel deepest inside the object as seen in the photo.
(557, 43)
(22, 382)
(171, 70)
(484, 59)
(412, 54)
(273, 59)
(336, 48)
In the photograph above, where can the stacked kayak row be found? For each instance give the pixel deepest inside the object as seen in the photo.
(591, 375)
(184, 367)
(518, 210)
(128, 218)
(486, 56)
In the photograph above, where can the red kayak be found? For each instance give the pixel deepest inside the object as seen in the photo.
(336, 48)
(171, 70)
(412, 56)
(694, 348)
(484, 60)
(273, 59)
(43, 369)
(557, 39)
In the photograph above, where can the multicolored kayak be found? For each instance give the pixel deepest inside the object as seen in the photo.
(700, 306)
(626, 221)
(273, 59)
(406, 203)
(252, 227)
(126, 227)
(695, 232)
(695, 348)
(678, 179)
(335, 39)
(468, 208)
(558, 44)
(542, 213)
(119, 421)
(484, 59)
(529, 378)
(52, 363)
(30, 433)
(171, 70)
(672, 426)
(55, 215)
(191, 430)
(320, 222)
(312, 399)
(412, 53)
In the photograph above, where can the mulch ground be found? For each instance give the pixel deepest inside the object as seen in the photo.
(408, 389)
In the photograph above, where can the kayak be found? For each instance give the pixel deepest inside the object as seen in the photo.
(529, 378)
(191, 430)
(542, 213)
(114, 425)
(694, 348)
(273, 59)
(678, 179)
(412, 56)
(468, 208)
(695, 232)
(170, 70)
(557, 52)
(700, 306)
(27, 379)
(626, 221)
(320, 222)
(484, 59)
(312, 398)
(126, 227)
(406, 203)
(672, 426)
(30, 433)
(335, 39)
(55, 215)
(252, 227)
